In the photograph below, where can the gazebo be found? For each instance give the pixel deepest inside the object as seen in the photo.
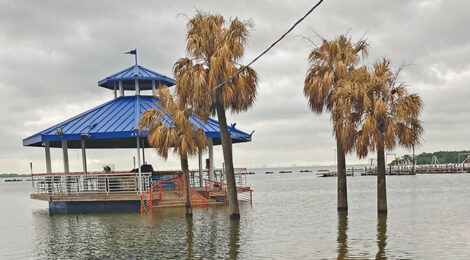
(112, 125)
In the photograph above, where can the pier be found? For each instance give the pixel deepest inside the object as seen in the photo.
(78, 191)
(405, 170)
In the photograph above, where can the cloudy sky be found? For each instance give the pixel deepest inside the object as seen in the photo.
(53, 53)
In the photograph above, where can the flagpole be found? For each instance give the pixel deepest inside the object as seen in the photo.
(133, 52)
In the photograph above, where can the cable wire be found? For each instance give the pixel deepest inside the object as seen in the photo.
(265, 51)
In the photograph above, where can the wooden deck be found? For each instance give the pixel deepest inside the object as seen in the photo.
(86, 197)
(170, 199)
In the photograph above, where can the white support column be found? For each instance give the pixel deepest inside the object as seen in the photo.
(211, 159)
(84, 155)
(48, 157)
(121, 89)
(115, 89)
(201, 176)
(143, 151)
(137, 88)
(65, 155)
(138, 165)
(154, 88)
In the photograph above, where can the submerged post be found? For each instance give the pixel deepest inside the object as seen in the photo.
(211, 159)
(65, 155)
(84, 155)
(138, 165)
(48, 157)
(201, 176)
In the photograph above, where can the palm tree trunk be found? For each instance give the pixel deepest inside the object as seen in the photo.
(234, 242)
(381, 236)
(190, 237)
(187, 192)
(381, 185)
(342, 187)
(342, 238)
(228, 160)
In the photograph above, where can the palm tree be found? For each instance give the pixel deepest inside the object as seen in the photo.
(384, 116)
(331, 67)
(171, 127)
(214, 46)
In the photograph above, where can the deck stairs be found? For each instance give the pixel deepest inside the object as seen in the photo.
(171, 199)
(217, 191)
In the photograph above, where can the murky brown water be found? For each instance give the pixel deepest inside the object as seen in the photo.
(293, 217)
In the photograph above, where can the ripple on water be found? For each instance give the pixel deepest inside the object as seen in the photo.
(293, 216)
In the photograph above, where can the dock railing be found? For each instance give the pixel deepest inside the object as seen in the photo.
(219, 175)
(151, 197)
(179, 185)
(90, 182)
(218, 191)
(197, 200)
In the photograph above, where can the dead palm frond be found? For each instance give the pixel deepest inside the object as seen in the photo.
(172, 127)
(333, 70)
(382, 113)
(214, 47)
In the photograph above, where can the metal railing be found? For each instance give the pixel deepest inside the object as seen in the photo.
(151, 197)
(218, 191)
(93, 182)
(178, 181)
(197, 200)
(219, 175)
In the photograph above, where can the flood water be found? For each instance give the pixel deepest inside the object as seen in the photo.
(293, 217)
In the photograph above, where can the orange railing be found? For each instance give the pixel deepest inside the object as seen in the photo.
(197, 200)
(218, 191)
(179, 185)
(151, 197)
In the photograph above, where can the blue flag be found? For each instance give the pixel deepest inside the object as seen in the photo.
(134, 51)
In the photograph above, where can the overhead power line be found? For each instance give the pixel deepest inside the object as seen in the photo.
(265, 51)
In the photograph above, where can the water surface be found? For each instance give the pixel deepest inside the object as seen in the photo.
(293, 217)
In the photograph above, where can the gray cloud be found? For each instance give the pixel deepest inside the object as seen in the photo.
(53, 53)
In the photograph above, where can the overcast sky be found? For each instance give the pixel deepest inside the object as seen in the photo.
(53, 53)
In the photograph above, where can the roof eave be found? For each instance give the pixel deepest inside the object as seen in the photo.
(103, 83)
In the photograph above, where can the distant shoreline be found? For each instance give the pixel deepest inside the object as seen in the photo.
(13, 175)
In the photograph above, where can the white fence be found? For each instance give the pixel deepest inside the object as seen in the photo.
(76, 183)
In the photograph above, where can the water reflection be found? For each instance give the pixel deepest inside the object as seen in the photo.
(165, 234)
(189, 237)
(234, 238)
(289, 233)
(212, 234)
(342, 234)
(381, 236)
(58, 234)
(154, 218)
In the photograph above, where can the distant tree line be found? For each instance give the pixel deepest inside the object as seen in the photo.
(427, 158)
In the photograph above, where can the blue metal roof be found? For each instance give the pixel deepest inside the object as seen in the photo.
(114, 125)
(129, 75)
